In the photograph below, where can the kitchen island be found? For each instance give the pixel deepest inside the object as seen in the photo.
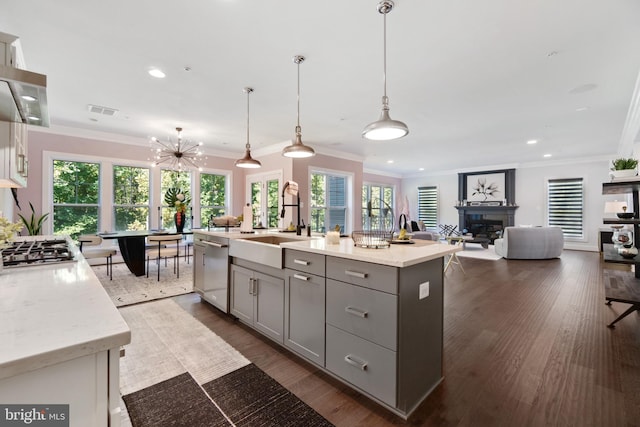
(372, 318)
(61, 337)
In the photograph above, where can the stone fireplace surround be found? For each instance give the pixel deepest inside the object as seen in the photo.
(487, 221)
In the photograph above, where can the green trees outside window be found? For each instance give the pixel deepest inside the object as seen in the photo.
(130, 198)
(213, 196)
(328, 202)
(76, 189)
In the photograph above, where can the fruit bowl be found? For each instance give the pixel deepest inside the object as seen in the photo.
(625, 215)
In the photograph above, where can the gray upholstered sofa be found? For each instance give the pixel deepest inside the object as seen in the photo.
(530, 243)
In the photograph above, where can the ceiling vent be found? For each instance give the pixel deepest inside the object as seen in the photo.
(102, 110)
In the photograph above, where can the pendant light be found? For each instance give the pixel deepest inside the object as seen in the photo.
(385, 128)
(298, 149)
(247, 162)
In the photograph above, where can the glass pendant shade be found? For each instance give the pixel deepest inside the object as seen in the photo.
(247, 162)
(385, 128)
(298, 150)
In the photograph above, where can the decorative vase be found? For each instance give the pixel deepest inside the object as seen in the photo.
(179, 218)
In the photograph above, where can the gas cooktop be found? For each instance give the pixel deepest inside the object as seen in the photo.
(36, 252)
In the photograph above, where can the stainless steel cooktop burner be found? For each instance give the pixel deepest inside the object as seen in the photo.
(23, 253)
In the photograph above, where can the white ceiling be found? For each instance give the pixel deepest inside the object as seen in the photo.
(473, 80)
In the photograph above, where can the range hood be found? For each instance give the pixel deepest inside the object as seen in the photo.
(23, 96)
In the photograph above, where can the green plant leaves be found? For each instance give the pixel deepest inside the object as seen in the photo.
(34, 223)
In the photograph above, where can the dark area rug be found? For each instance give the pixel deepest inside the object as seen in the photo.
(246, 396)
(178, 401)
(249, 397)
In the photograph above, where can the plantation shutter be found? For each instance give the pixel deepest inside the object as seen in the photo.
(336, 202)
(565, 206)
(428, 206)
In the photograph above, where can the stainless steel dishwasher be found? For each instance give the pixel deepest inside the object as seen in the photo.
(211, 269)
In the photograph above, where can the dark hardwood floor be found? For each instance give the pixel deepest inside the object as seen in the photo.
(525, 344)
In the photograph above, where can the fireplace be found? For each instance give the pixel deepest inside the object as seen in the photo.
(486, 218)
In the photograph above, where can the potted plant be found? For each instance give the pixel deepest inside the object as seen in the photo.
(34, 223)
(176, 198)
(624, 168)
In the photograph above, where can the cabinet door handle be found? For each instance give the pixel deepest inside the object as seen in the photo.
(357, 274)
(301, 262)
(214, 244)
(301, 277)
(251, 286)
(356, 311)
(352, 360)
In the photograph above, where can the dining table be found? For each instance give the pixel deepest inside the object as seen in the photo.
(133, 246)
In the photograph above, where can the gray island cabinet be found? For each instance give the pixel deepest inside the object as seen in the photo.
(372, 318)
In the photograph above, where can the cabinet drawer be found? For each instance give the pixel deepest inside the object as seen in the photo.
(364, 312)
(374, 276)
(365, 365)
(304, 261)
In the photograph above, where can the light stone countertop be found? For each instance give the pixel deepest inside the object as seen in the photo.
(397, 255)
(54, 313)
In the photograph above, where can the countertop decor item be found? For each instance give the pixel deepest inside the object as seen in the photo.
(298, 149)
(180, 156)
(385, 128)
(373, 239)
(247, 161)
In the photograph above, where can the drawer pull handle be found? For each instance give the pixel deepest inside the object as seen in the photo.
(352, 360)
(214, 244)
(356, 274)
(356, 311)
(301, 262)
(301, 277)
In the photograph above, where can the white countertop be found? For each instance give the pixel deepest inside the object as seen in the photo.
(397, 255)
(54, 313)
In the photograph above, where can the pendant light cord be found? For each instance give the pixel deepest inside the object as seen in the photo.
(248, 93)
(384, 55)
(298, 122)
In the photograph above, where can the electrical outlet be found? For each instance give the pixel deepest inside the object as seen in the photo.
(424, 290)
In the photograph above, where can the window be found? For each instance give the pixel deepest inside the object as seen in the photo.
(328, 202)
(130, 198)
(377, 212)
(565, 206)
(174, 179)
(213, 196)
(76, 201)
(428, 206)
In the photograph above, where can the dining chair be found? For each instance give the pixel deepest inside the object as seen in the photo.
(159, 249)
(90, 253)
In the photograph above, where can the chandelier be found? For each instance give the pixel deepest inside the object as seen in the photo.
(178, 156)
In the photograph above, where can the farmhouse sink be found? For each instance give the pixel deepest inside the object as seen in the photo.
(262, 249)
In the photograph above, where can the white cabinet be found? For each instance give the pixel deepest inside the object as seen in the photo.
(13, 154)
(257, 299)
(88, 384)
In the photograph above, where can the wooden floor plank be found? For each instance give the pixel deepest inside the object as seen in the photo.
(525, 343)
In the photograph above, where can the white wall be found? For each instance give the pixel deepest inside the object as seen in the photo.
(530, 195)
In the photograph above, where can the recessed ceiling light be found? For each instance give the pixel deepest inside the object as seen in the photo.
(532, 141)
(389, 161)
(28, 98)
(157, 73)
(547, 155)
(421, 169)
(582, 109)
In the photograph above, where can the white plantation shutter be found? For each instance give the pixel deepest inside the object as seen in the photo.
(565, 206)
(428, 206)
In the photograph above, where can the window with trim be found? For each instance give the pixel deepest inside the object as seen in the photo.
(213, 196)
(565, 206)
(328, 202)
(377, 212)
(76, 198)
(130, 198)
(174, 179)
(428, 206)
